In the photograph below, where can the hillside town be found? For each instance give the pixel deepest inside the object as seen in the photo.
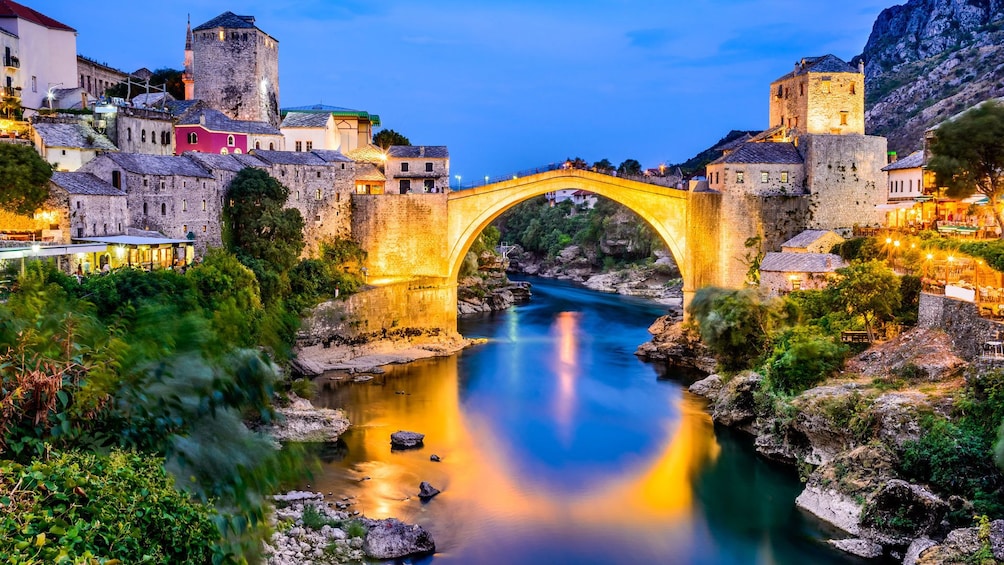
(217, 280)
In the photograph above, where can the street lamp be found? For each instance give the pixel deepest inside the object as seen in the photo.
(50, 95)
(486, 179)
(458, 182)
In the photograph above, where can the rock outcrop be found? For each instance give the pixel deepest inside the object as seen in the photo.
(393, 539)
(406, 440)
(300, 421)
(674, 344)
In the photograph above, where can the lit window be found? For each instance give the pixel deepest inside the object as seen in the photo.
(826, 86)
(764, 176)
(740, 177)
(853, 89)
(318, 194)
(193, 138)
(784, 176)
(203, 205)
(223, 151)
(430, 185)
(843, 118)
(184, 205)
(142, 136)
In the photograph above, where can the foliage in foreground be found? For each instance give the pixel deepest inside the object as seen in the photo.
(74, 507)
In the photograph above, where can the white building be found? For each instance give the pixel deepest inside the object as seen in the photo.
(306, 131)
(47, 53)
(906, 186)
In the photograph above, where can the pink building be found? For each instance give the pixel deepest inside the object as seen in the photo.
(209, 131)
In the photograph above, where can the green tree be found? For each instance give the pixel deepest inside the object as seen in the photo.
(736, 325)
(603, 166)
(24, 179)
(870, 290)
(387, 137)
(228, 292)
(968, 155)
(629, 167)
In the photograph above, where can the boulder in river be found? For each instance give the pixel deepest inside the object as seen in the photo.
(406, 440)
(427, 491)
(302, 422)
(435, 458)
(393, 539)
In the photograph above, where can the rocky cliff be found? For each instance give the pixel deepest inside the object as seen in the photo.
(927, 60)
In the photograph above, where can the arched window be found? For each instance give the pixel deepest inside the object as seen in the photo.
(230, 141)
(193, 138)
(257, 145)
(163, 209)
(153, 137)
(237, 151)
(203, 205)
(223, 151)
(142, 136)
(271, 147)
(318, 194)
(129, 134)
(144, 208)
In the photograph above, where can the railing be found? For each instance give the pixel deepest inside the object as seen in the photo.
(668, 182)
(10, 91)
(11, 62)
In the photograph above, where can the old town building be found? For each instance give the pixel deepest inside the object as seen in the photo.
(46, 54)
(417, 168)
(210, 131)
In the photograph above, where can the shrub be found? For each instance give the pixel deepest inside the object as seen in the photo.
(81, 507)
(801, 359)
(304, 388)
(735, 324)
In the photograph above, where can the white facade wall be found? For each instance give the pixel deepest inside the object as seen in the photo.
(48, 59)
(906, 183)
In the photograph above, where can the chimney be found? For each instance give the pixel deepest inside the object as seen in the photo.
(202, 119)
(861, 66)
(891, 157)
(421, 151)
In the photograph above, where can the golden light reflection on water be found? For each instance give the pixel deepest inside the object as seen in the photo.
(566, 367)
(480, 476)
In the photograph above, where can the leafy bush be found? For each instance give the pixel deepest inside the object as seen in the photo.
(78, 507)
(735, 324)
(801, 359)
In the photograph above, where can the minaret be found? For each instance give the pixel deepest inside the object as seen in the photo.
(188, 77)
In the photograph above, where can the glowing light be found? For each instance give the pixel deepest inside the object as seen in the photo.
(35, 248)
(930, 256)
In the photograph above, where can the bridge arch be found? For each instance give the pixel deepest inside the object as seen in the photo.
(664, 209)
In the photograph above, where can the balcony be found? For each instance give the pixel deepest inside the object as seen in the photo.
(12, 92)
(11, 62)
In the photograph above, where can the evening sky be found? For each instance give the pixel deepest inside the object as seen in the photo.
(512, 85)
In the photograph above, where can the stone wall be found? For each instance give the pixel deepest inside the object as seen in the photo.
(93, 215)
(419, 304)
(961, 321)
(814, 102)
(237, 72)
(323, 195)
(404, 235)
(782, 179)
(845, 179)
(95, 78)
(148, 132)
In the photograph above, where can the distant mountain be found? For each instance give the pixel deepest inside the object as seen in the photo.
(695, 165)
(927, 60)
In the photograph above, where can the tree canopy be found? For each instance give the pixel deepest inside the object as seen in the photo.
(968, 154)
(24, 179)
(629, 167)
(868, 289)
(387, 137)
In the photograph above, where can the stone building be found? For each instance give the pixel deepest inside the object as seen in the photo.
(235, 68)
(206, 130)
(761, 169)
(46, 53)
(812, 241)
(67, 144)
(92, 206)
(822, 95)
(781, 273)
(96, 78)
(142, 130)
(417, 168)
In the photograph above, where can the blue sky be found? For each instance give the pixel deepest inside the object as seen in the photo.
(513, 85)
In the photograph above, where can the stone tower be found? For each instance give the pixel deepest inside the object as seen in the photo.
(235, 68)
(823, 95)
(187, 77)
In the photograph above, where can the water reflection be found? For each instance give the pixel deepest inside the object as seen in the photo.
(558, 446)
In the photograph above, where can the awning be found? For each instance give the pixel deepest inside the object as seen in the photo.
(50, 250)
(895, 205)
(134, 240)
(976, 199)
(922, 199)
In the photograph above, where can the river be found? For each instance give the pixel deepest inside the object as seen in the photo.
(559, 446)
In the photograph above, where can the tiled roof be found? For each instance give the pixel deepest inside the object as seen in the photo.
(218, 121)
(150, 99)
(914, 160)
(84, 183)
(288, 157)
(369, 172)
(730, 145)
(331, 156)
(74, 136)
(367, 154)
(179, 107)
(766, 153)
(805, 239)
(801, 262)
(10, 9)
(824, 64)
(228, 20)
(158, 165)
(217, 162)
(305, 120)
(418, 151)
(249, 160)
(336, 111)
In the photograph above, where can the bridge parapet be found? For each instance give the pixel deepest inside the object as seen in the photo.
(666, 181)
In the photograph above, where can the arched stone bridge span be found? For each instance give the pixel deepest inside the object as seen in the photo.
(416, 243)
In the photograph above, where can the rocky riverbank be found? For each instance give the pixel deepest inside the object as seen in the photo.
(491, 293)
(367, 356)
(846, 437)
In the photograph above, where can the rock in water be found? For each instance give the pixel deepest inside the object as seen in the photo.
(427, 491)
(406, 440)
(434, 458)
(392, 539)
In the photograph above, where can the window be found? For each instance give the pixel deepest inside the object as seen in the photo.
(825, 86)
(780, 90)
(165, 138)
(843, 118)
(299, 146)
(257, 145)
(801, 89)
(237, 150)
(193, 138)
(796, 284)
(203, 229)
(129, 134)
(740, 177)
(404, 167)
(428, 167)
(34, 84)
(142, 136)
(80, 232)
(144, 208)
(230, 141)
(853, 89)
(146, 182)
(318, 194)
(78, 204)
(223, 151)
(162, 185)
(271, 146)
(297, 195)
(163, 209)
(764, 176)
(203, 205)
(184, 205)
(310, 146)
(184, 228)
(318, 174)
(405, 186)
(430, 185)
(784, 176)
(117, 179)
(153, 137)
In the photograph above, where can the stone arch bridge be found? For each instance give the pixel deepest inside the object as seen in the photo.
(416, 243)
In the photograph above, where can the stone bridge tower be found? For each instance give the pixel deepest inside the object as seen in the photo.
(235, 68)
